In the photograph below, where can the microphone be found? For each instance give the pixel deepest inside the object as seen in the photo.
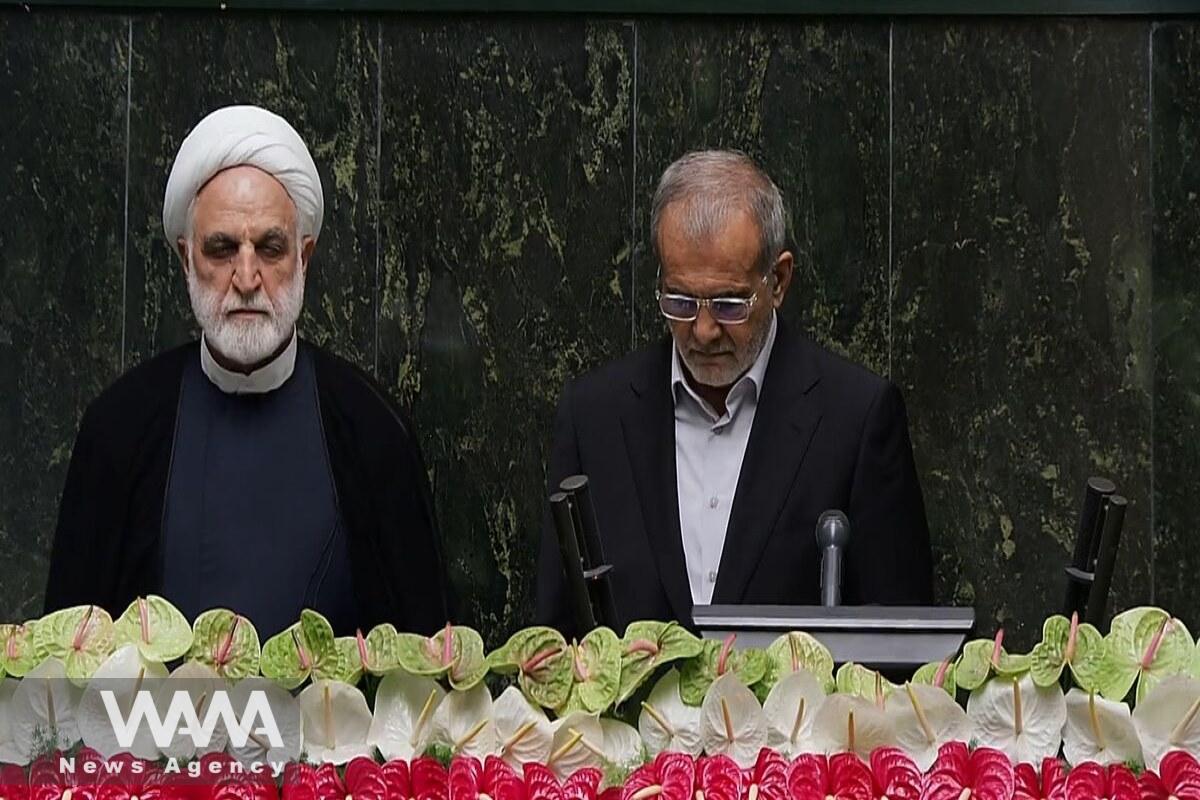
(833, 533)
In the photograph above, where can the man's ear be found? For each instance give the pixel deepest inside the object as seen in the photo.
(307, 245)
(784, 266)
(181, 247)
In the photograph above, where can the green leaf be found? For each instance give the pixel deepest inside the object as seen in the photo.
(543, 663)
(18, 653)
(927, 674)
(227, 642)
(307, 649)
(857, 680)
(698, 673)
(1144, 645)
(80, 637)
(798, 651)
(596, 673)
(382, 649)
(647, 646)
(158, 629)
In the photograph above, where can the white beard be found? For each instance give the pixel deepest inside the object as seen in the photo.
(249, 341)
(726, 376)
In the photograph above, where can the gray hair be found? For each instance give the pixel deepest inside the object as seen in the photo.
(712, 184)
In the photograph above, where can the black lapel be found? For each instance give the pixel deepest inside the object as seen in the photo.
(784, 422)
(648, 422)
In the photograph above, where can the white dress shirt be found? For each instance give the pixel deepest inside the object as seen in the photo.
(266, 378)
(708, 460)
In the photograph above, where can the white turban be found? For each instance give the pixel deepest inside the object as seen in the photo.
(243, 135)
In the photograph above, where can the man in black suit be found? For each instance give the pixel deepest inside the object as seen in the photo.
(712, 453)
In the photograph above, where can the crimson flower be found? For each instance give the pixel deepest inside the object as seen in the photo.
(48, 782)
(13, 783)
(718, 777)
(840, 777)
(768, 778)
(129, 778)
(671, 775)
(492, 780)
(541, 784)
(961, 774)
(424, 779)
(1051, 784)
(1092, 781)
(894, 775)
(1178, 777)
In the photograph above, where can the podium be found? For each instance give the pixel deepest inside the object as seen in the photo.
(880, 637)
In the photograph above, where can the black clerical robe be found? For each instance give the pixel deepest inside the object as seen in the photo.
(109, 543)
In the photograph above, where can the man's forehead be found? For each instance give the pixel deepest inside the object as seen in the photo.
(242, 183)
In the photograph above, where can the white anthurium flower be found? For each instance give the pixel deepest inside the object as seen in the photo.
(924, 718)
(43, 709)
(846, 723)
(336, 722)
(525, 734)
(666, 722)
(622, 743)
(1019, 718)
(404, 709)
(578, 742)
(1099, 730)
(732, 722)
(199, 684)
(8, 749)
(123, 677)
(790, 709)
(463, 722)
(1168, 718)
(285, 711)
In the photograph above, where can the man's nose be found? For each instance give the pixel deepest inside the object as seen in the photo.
(705, 329)
(247, 278)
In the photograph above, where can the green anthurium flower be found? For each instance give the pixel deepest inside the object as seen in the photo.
(596, 673)
(697, 673)
(160, 631)
(18, 651)
(796, 651)
(307, 649)
(983, 658)
(937, 673)
(227, 642)
(1066, 643)
(543, 662)
(647, 646)
(455, 653)
(857, 680)
(80, 637)
(1144, 645)
(382, 645)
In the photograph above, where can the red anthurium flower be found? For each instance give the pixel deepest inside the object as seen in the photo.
(1050, 785)
(960, 774)
(670, 776)
(1092, 781)
(718, 778)
(768, 778)
(14, 785)
(894, 776)
(299, 782)
(50, 780)
(130, 778)
(1178, 777)
(424, 779)
(246, 786)
(492, 780)
(842, 777)
(611, 793)
(541, 784)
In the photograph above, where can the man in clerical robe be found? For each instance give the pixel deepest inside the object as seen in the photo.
(251, 470)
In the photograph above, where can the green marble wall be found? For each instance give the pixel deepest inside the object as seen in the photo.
(1000, 214)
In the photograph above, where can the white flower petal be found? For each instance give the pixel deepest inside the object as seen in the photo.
(681, 733)
(622, 744)
(44, 693)
(399, 704)
(199, 683)
(336, 722)
(286, 713)
(872, 727)
(1099, 730)
(1168, 718)
(732, 722)
(992, 708)
(463, 722)
(8, 749)
(578, 742)
(790, 710)
(524, 732)
(125, 674)
(940, 720)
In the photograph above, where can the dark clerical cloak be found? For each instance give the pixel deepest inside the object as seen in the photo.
(124, 511)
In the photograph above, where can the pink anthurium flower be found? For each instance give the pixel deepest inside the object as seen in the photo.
(363, 780)
(299, 782)
(131, 778)
(1051, 784)
(1178, 778)
(960, 774)
(768, 778)
(840, 777)
(492, 780)
(424, 779)
(541, 783)
(718, 778)
(894, 776)
(1092, 781)
(48, 782)
(670, 776)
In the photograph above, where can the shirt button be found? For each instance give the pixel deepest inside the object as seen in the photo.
(712, 576)
(712, 502)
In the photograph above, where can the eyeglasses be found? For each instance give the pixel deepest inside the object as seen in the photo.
(725, 310)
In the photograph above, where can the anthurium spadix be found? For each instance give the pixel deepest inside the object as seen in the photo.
(939, 674)
(924, 718)
(1168, 718)
(524, 732)
(578, 743)
(667, 724)
(796, 651)
(1067, 643)
(697, 673)
(455, 652)
(43, 709)
(732, 722)
(542, 661)
(336, 722)
(595, 672)
(285, 711)
(846, 723)
(1143, 645)
(647, 646)
(80, 637)
(18, 652)
(306, 649)
(122, 677)
(1018, 717)
(8, 748)
(463, 723)
(983, 658)
(404, 709)
(227, 642)
(159, 630)
(200, 684)
(790, 710)
(1099, 730)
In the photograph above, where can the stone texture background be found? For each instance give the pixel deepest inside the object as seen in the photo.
(1002, 214)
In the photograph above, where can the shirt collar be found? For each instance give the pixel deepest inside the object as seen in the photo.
(751, 382)
(266, 378)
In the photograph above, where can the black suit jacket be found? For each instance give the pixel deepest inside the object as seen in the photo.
(827, 434)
